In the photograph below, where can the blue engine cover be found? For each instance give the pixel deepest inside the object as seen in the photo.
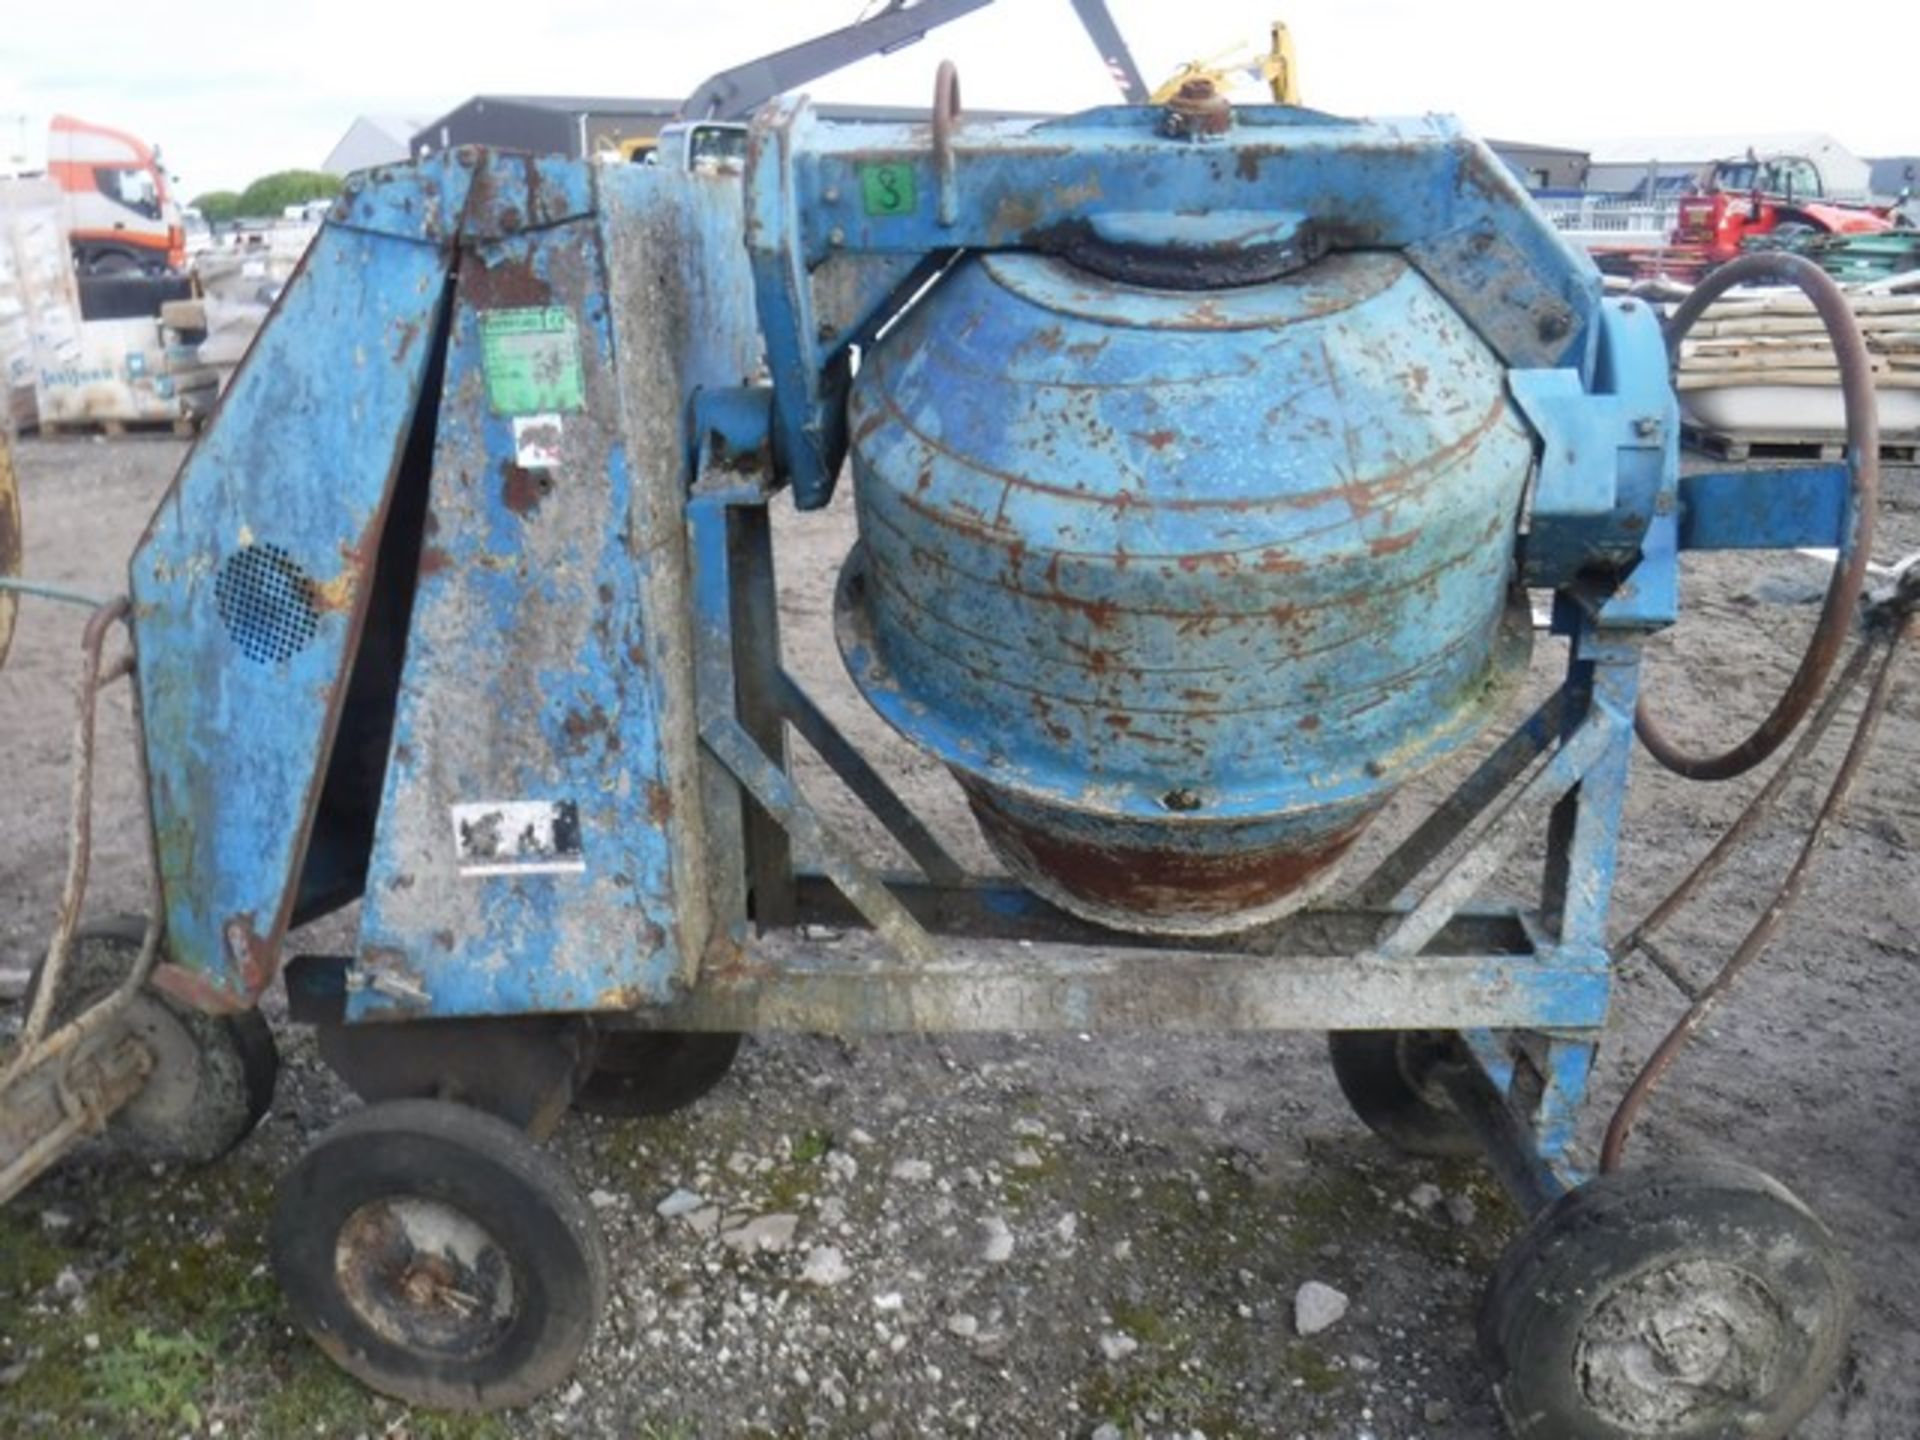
(1182, 585)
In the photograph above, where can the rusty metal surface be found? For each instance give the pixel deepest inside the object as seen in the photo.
(813, 842)
(40, 1040)
(241, 698)
(1133, 565)
(426, 1277)
(61, 1081)
(1197, 109)
(539, 840)
(854, 984)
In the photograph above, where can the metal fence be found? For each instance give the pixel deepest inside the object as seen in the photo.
(1603, 219)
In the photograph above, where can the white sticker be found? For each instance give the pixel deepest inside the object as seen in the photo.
(518, 837)
(536, 441)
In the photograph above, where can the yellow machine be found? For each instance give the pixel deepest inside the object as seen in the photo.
(1276, 69)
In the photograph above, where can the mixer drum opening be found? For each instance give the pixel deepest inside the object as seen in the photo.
(1183, 585)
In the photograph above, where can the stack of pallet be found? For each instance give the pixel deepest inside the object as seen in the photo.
(1757, 372)
(207, 337)
(39, 301)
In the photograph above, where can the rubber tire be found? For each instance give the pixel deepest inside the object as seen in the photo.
(1616, 1228)
(489, 1170)
(654, 1072)
(238, 1061)
(1372, 1067)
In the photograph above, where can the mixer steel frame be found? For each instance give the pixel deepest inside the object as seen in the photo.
(1412, 949)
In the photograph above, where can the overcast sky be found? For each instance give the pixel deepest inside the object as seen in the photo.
(232, 89)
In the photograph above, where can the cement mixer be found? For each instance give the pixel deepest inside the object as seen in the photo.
(1203, 459)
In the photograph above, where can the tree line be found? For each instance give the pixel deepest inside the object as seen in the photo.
(268, 197)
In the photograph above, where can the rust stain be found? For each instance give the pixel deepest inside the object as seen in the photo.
(409, 332)
(1049, 341)
(524, 489)
(1155, 439)
(659, 803)
(507, 284)
(1391, 544)
(433, 560)
(579, 728)
(1278, 562)
(1248, 165)
(1013, 216)
(1167, 882)
(255, 957)
(194, 989)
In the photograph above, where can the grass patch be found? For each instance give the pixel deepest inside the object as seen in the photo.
(155, 1377)
(812, 1147)
(1153, 1398)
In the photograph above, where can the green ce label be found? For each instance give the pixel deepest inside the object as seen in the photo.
(887, 189)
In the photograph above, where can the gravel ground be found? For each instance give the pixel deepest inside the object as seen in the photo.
(1001, 1235)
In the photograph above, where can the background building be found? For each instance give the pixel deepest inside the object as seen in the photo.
(372, 140)
(1660, 165)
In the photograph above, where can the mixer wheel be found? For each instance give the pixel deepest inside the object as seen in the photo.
(1388, 1079)
(1685, 1302)
(654, 1072)
(437, 1256)
(213, 1075)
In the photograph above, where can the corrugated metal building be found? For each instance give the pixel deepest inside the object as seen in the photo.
(577, 125)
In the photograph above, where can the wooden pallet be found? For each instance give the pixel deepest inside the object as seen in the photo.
(1758, 445)
(113, 429)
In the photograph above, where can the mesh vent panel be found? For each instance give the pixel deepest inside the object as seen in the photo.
(266, 602)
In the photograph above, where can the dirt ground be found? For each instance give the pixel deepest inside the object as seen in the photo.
(1039, 1236)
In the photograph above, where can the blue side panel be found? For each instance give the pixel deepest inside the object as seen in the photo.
(250, 587)
(538, 841)
(521, 858)
(1764, 509)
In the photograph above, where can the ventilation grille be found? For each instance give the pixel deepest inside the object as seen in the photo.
(266, 602)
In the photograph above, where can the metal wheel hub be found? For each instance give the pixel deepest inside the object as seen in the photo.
(424, 1275)
(1679, 1343)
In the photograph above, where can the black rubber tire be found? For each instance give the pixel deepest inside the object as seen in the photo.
(1382, 1074)
(654, 1072)
(1569, 1286)
(440, 1153)
(180, 1118)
